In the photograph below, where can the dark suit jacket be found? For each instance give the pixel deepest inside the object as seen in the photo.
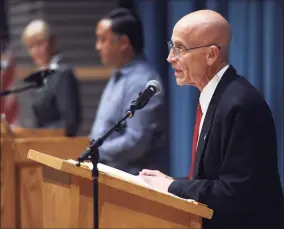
(236, 164)
(57, 103)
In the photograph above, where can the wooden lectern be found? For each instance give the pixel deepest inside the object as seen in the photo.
(7, 131)
(21, 179)
(125, 201)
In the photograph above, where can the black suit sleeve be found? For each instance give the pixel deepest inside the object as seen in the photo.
(68, 101)
(243, 155)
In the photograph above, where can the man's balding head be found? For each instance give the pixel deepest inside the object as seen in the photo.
(37, 27)
(39, 41)
(207, 26)
(209, 31)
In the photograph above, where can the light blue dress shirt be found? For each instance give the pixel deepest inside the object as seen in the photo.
(139, 145)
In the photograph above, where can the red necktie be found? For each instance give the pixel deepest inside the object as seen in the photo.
(195, 138)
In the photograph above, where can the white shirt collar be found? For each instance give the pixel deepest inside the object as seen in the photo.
(54, 62)
(208, 91)
(53, 65)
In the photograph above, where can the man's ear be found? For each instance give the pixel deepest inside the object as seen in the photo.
(125, 42)
(212, 54)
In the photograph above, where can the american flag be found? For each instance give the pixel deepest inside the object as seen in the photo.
(9, 104)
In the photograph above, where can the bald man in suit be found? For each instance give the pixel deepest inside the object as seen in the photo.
(234, 154)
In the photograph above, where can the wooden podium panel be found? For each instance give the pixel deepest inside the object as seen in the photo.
(123, 203)
(21, 179)
(8, 131)
(19, 132)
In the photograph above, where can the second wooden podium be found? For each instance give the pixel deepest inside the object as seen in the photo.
(125, 201)
(21, 178)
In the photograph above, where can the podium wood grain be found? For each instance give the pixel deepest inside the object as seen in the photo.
(19, 132)
(21, 178)
(8, 185)
(68, 200)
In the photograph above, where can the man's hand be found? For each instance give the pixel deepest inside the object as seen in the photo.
(156, 179)
(155, 173)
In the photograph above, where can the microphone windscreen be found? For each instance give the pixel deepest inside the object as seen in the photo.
(155, 84)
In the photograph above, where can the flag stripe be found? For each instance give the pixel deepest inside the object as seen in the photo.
(9, 104)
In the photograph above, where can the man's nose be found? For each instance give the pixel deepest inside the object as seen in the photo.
(171, 57)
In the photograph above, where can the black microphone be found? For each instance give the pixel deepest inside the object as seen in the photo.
(38, 77)
(153, 87)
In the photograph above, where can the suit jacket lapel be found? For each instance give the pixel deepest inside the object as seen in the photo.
(228, 76)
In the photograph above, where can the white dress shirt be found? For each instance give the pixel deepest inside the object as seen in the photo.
(207, 93)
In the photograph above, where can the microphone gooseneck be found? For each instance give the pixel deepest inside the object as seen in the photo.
(92, 152)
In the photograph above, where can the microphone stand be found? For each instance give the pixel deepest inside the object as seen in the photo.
(36, 78)
(92, 154)
(17, 90)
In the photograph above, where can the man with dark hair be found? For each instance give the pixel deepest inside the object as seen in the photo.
(120, 45)
(127, 23)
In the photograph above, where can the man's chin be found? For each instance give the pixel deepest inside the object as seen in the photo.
(180, 82)
(107, 63)
(41, 64)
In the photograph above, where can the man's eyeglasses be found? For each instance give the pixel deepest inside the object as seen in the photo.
(177, 51)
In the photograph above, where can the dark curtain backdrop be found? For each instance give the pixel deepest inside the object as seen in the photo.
(256, 52)
(3, 26)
